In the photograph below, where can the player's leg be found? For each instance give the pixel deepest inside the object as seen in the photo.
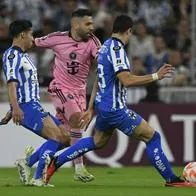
(32, 158)
(45, 154)
(81, 173)
(141, 130)
(42, 124)
(76, 104)
(156, 154)
(69, 106)
(154, 150)
(83, 146)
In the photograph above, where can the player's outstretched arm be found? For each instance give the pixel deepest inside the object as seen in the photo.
(128, 79)
(87, 116)
(50, 40)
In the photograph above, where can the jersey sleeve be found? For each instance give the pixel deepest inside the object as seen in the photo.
(118, 57)
(49, 40)
(96, 45)
(45, 42)
(11, 65)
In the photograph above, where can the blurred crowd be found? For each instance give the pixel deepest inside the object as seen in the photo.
(161, 32)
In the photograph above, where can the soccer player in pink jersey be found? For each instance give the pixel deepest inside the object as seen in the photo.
(75, 53)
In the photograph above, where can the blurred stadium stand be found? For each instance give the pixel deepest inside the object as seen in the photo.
(165, 31)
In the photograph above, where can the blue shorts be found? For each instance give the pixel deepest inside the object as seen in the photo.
(34, 115)
(124, 119)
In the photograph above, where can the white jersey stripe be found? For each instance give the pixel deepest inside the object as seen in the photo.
(8, 65)
(26, 87)
(114, 97)
(122, 57)
(119, 95)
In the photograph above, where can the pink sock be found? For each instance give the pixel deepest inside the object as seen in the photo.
(75, 136)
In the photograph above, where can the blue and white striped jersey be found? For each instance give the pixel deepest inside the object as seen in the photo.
(18, 67)
(112, 59)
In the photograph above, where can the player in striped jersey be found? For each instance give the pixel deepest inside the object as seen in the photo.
(114, 75)
(23, 90)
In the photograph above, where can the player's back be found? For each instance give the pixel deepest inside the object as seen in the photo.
(112, 59)
(72, 60)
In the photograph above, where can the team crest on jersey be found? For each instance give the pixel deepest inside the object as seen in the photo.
(116, 48)
(11, 56)
(72, 56)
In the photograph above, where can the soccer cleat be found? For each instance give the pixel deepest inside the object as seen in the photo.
(39, 183)
(44, 174)
(178, 182)
(23, 170)
(83, 175)
(49, 171)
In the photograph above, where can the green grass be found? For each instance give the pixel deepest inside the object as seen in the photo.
(131, 181)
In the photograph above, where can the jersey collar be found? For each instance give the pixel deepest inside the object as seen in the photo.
(115, 38)
(18, 48)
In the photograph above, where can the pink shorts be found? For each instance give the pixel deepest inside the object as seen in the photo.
(67, 103)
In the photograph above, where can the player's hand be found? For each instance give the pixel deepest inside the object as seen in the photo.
(86, 118)
(7, 118)
(166, 71)
(17, 115)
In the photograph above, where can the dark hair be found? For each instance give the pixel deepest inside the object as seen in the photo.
(122, 23)
(81, 13)
(19, 26)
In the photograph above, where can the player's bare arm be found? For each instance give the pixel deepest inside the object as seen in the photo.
(87, 116)
(17, 113)
(128, 79)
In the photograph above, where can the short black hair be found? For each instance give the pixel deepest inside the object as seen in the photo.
(81, 13)
(19, 26)
(122, 23)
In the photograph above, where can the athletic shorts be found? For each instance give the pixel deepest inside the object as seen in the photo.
(34, 115)
(67, 103)
(125, 120)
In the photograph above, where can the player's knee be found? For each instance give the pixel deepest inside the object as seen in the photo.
(143, 132)
(66, 140)
(74, 120)
(146, 135)
(99, 143)
(63, 138)
(55, 134)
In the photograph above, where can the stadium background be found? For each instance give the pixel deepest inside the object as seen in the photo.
(164, 32)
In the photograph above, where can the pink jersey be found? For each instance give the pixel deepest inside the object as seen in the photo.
(73, 59)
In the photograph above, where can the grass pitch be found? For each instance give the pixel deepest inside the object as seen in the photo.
(131, 181)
